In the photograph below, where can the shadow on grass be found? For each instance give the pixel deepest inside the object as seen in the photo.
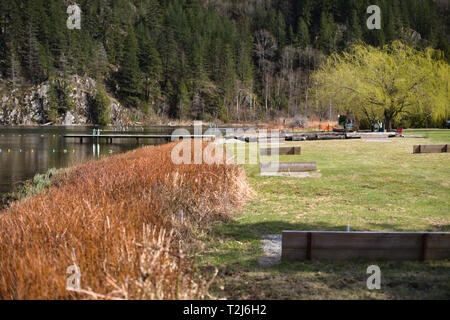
(235, 233)
(335, 280)
(238, 249)
(392, 227)
(252, 231)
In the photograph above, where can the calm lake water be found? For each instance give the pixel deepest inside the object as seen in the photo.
(26, 151)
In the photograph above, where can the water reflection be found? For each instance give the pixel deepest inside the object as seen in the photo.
(26, 151)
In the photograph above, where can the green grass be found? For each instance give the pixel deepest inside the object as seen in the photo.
(371, 186)
(30, 188)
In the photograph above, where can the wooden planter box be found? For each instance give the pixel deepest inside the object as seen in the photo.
(431, 148)
(281, 151)
(336, 245)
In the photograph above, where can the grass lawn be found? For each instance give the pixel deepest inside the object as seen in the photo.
(372, 186)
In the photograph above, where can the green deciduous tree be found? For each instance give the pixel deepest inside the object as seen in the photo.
(386, 83)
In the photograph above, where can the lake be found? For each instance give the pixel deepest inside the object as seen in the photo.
(26, 151)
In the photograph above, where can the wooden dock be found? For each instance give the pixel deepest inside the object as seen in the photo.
(110, 137)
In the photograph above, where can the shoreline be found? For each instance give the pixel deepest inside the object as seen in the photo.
(225, 239)
(135, 215)
(30, 187)
(256, 124)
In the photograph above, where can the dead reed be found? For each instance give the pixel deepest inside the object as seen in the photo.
(125, 221)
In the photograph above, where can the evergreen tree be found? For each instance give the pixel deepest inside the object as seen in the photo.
(182, 100)
(228, 82)
(14, 68)
(327, 32)
(389, 26)
(55, 25)
(101, 62)
(280, 33)
(303, 33)
(306, 9)
(292, 38)
(29, 51)
(151, 46)
(152, 68)
(99, 107)
(60, 100)
(5, 57)
(354, 30)
(153, 17)
(244, 59)
(129, 73)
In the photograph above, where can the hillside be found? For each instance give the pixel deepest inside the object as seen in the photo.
(216, 59)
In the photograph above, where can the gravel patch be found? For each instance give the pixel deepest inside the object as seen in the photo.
(376, 140)
(308, 174)
(271, 244)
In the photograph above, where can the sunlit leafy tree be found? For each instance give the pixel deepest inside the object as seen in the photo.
(386, 83)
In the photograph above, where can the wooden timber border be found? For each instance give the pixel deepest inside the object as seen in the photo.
(431, 148)
(288, 167)
(340, 245)
(281, 151)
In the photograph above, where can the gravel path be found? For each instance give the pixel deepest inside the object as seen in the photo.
(271, 244)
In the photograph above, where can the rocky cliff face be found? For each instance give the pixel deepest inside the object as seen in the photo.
(27, 106)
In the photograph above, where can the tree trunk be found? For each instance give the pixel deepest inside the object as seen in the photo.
(388, 123)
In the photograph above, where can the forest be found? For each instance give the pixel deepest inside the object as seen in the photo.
(230, 60)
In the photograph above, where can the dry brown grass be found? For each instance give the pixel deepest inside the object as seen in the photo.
(118, 220)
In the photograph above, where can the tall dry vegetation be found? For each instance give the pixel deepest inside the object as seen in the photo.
(119, 221)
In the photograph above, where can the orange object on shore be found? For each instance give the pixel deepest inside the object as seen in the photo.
(326, 127)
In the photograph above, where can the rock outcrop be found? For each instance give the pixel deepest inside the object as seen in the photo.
(28, 106)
